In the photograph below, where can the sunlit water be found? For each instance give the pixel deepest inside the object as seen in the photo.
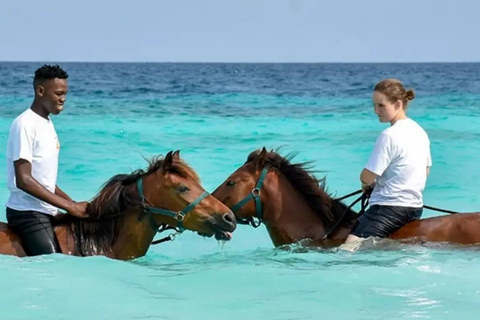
(216, 114)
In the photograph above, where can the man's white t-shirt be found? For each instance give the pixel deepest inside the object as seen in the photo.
(34, 139)
(400, 158)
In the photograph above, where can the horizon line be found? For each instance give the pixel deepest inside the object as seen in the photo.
(240, 62)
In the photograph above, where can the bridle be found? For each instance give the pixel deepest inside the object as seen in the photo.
(253, 195)
(179, 216)
(256, 192)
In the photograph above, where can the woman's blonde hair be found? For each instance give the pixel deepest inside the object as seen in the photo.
(394, 90)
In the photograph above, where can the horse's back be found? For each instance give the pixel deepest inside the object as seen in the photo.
(10, 242)
(461, 228)
(3, 226)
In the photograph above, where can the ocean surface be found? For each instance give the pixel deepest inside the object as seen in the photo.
(216, 114)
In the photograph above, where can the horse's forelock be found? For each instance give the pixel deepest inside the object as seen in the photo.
(252, 156)
(179, 167)
(184, 170)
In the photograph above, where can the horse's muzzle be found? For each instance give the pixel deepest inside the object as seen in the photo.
(223, 226)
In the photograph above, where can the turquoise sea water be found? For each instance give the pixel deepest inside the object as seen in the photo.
(216, 114)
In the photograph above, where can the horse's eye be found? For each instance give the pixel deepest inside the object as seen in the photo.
(182, 189)
(230, 183)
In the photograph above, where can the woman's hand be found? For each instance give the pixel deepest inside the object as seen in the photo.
(368, 180)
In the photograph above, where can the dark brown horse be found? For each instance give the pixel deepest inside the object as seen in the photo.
(294, 206)
(126, 214)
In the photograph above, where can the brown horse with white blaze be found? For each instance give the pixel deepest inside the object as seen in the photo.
(127, 212)
(294, 206)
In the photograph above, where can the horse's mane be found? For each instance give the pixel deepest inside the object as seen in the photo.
(302, 178)
(97, 234)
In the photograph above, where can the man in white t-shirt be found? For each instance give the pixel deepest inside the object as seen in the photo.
(32, 165)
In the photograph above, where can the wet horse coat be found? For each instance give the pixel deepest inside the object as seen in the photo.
(125, 215)
(295, 206)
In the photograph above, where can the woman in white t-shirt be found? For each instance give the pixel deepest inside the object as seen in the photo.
(398, 166)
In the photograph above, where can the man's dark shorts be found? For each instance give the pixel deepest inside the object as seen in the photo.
(381, 221)
(35, 231)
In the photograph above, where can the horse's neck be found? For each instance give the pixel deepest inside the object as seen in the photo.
(134, 238)
(289, 219)
(64, 235)
(287, 216)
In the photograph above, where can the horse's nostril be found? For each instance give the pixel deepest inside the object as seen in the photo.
(229, 217)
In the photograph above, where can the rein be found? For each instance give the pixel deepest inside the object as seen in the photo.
(440, 210)
(364, 202)
(170, 237)
(364, 198)
(425, 206)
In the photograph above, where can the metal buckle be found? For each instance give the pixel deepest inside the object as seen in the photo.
(179, 216)
(255, 222)
(256, 192)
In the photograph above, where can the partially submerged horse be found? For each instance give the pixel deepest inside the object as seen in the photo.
(126, 214)
(294, 206)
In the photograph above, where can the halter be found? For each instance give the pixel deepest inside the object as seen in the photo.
(254, 194)
(177, 215)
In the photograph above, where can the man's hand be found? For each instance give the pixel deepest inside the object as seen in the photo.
(78, 209)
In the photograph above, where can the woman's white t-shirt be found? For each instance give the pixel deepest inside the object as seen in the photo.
(400, 158)
(34, 139)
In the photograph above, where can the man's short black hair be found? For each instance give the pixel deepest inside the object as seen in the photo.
(48, 72)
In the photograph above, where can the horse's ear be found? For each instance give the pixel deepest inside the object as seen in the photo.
(262, 159)
(176, 154)
(167, 162)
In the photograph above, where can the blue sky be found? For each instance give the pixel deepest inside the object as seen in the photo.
(240, 31)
